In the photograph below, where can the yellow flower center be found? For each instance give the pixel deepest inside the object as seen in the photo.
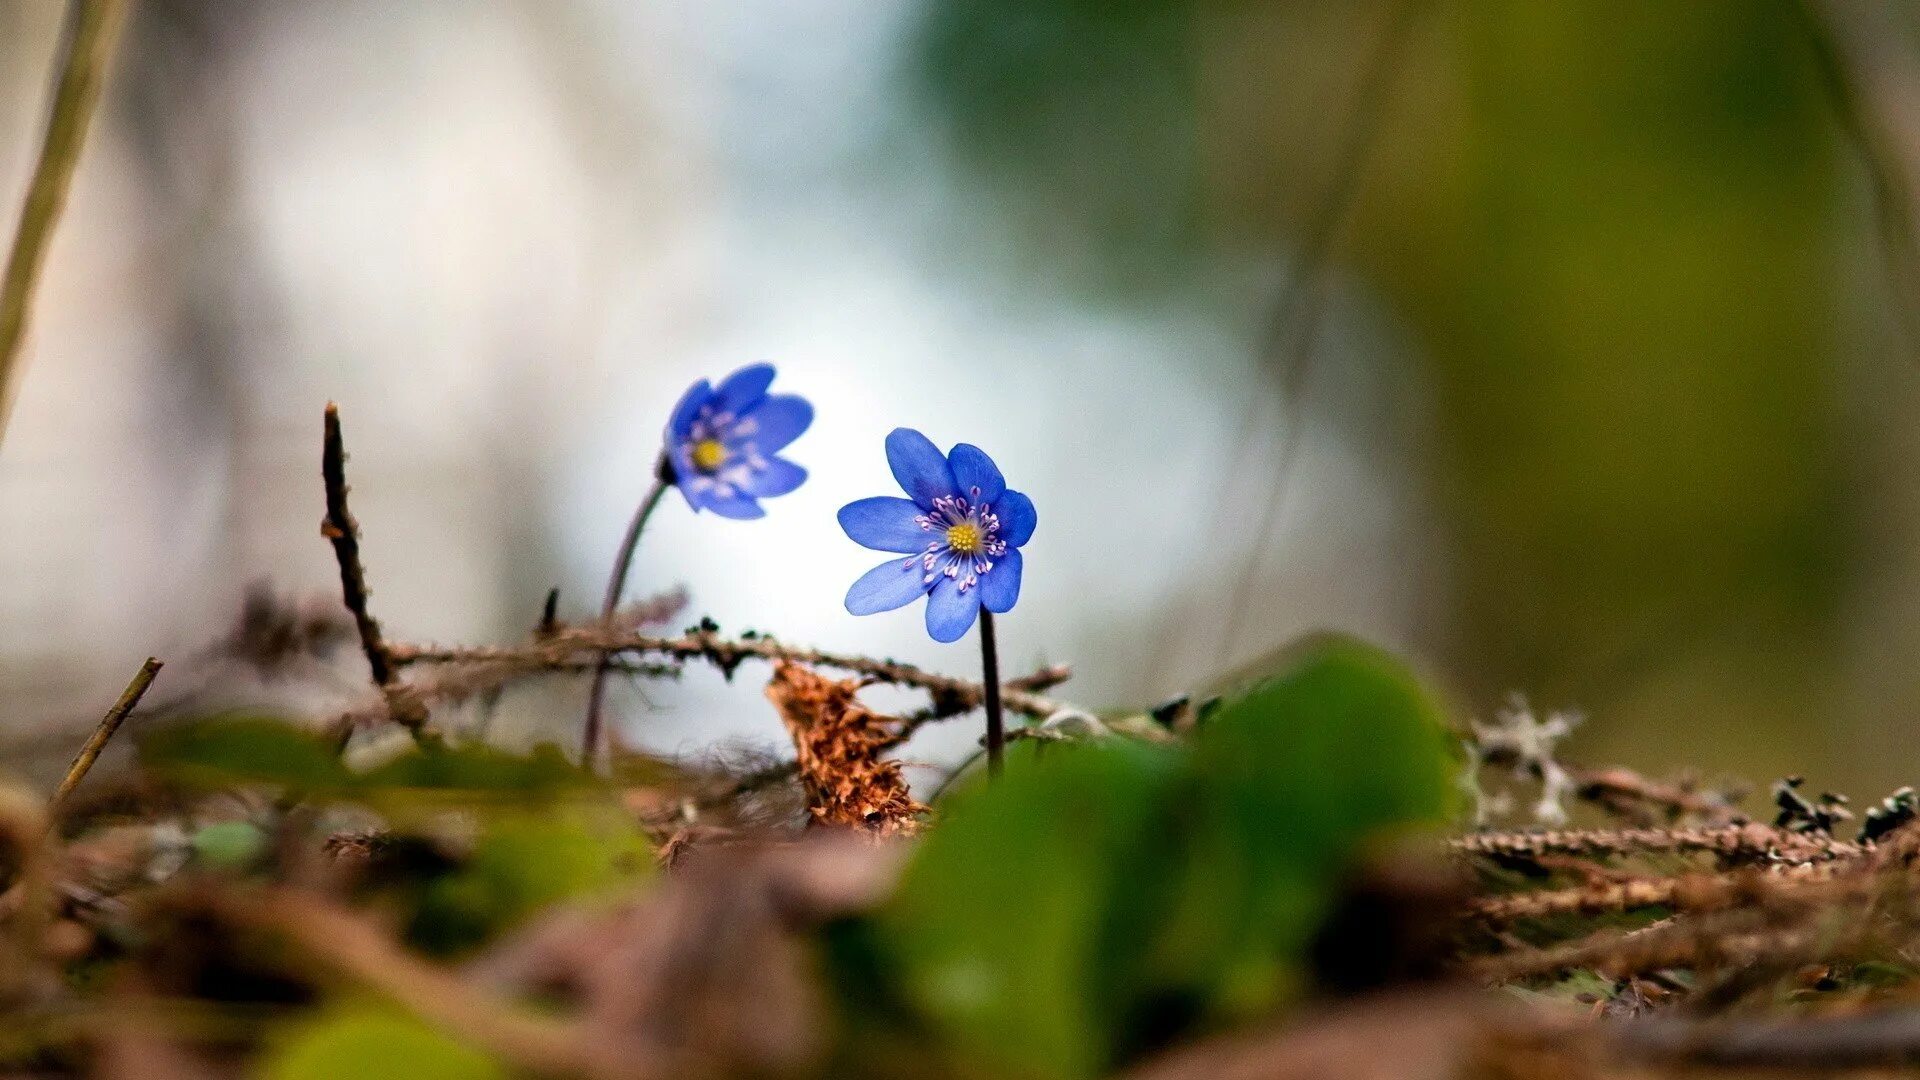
(709, 455)
(964, 538)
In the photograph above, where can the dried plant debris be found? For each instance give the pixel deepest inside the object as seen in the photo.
(1246, 886)
(839, 745)
(1520, 740)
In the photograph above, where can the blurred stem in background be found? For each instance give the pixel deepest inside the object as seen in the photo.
(93, 31)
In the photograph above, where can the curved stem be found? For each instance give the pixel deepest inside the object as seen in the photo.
(616, 586)
(990, 694)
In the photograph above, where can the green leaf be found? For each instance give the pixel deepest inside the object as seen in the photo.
(1291, 780)
(524, 862)
(999, 919)
(1105, 898)
(434, 765)
(229, 843)
(224, 751)
(373, 1043)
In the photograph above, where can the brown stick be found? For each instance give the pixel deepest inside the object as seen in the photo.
(343, 532)
(94, 30)
(1684, 892)
(110, 723)
(567, 644)
(1615, 788)
(1752, 841)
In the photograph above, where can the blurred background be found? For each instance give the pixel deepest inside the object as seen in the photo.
(1567, 348)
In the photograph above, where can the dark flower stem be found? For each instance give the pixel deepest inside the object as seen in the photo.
(990, 694)
(591, 739)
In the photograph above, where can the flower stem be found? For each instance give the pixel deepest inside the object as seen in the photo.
(590, 742)
(990, 694)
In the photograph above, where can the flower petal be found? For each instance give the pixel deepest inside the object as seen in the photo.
(1000, 586)
(885, 523)
(736, 506)
(919, 466)
(778, 478)
(743, 389)
(680, 422)
(1017, 517)
(974, 474)
(894, 583)
(950, 612)
(776, 421)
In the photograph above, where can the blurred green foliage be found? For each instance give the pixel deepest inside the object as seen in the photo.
(1106, 897)
(523, 862)
(1109, 187)
(225, 751)
(542, 830)
(371, 1042)
(1623, 250)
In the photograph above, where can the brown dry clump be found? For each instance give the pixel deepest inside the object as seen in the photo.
(839, 743)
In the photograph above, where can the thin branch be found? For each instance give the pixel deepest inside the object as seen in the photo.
(1677, 942)
(90, 752)
(1684, 892)
(1616, 789)
(94, 30)
(343, 532)
(567, 644)
(1737, 842)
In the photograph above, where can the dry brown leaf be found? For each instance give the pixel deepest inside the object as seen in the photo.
(839, 743)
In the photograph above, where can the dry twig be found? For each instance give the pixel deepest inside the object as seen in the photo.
(1731, 842)
(1681, 892)
(343, 532)
(569, 644)
(90, 751)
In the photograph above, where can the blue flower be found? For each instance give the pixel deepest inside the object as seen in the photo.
(961, 531)
(722, 440)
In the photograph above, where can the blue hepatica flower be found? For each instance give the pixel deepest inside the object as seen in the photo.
(722, 440)
(961, 531)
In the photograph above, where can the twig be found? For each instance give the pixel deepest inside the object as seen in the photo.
(1677, 942)
(1684, 892)
(1729, 842)
(343, 532)
(1610, 788)
(110, 723)
(93, 31)
(457, 682)
(1038, 682)
(571, 643)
